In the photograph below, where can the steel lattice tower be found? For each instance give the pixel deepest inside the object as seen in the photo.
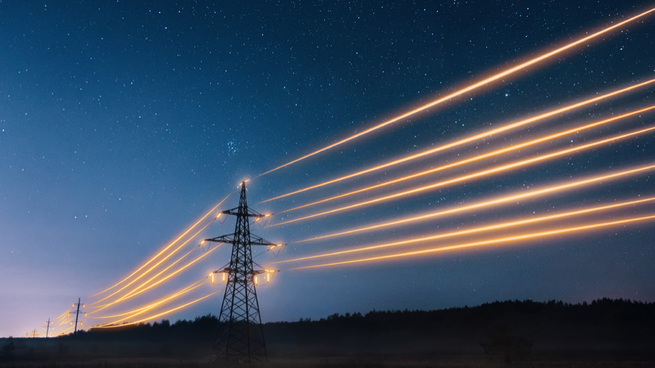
(240, 335)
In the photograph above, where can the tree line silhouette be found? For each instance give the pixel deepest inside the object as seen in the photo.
(506, 332)
(605, 319)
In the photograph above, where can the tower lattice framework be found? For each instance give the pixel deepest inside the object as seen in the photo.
(240, 335)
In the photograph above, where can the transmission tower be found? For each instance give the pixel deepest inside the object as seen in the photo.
(77, 313)
(47, 328)
(240, 335)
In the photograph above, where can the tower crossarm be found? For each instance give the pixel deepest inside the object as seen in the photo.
(249, 213)
(256, 240)
(234, 271)
(229, 239)
(222, 239)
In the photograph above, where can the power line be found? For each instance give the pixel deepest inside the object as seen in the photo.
(469, 88)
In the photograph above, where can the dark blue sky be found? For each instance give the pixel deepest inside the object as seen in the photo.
(123, 122)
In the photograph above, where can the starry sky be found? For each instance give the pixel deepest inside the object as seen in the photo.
(122, 123)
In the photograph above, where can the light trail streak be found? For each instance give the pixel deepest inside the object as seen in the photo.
(159, 274)
(471, 176)
(134, 293)
(486, 242)
(156, 264)
(187, 289)
(165, 249)
(473, 159)
(141, 311)
(151, 307)
(61, 316)
(469, 88)
(102, 306)
(497, 226)
(466, 140)
(160, 314)
(65, 321)
(509, 198)
(59, 333)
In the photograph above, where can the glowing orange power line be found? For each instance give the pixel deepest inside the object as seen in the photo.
(155, 305)
(158, 274)
(138, 287)
(156, 264)
(64, 330)
(486, 242)
(145, 309)
(64, 322)
(499, 225)
(165, 249)
(103, 306)
(466, 140)
(471, 87)
(509, 198)
(134, 293)
(61, 315)
(471, 159)
(185, 290)
(160, 314)
(167, 268)
(471, 176)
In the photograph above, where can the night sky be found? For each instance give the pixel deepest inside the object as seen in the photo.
(122, 123)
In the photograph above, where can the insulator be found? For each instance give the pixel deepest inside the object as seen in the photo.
(268, 277)
(255, 280)
(224, 276)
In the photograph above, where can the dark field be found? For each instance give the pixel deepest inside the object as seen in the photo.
(605, 333)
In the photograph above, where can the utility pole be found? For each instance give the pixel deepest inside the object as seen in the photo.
(47, 328)
(77, 314)
(240, 335)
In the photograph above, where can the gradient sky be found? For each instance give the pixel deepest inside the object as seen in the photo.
(121, 123)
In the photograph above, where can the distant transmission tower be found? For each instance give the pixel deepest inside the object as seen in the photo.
(47, 328)
(240, 335)
(77, 313)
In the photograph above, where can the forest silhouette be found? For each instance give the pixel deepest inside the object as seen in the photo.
(505, 332)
